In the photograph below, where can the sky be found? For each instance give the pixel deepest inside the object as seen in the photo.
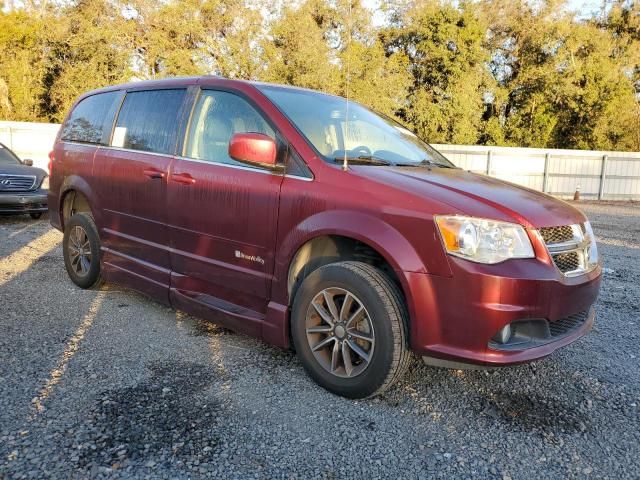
(584, 8)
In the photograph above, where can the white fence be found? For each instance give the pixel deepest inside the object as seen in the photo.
(30, 140)
(598, 175)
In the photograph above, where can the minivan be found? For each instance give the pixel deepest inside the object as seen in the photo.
(312, 222)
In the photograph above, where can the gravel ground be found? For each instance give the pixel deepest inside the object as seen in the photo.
(109, 384)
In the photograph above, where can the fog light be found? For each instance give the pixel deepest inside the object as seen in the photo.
(504, 335)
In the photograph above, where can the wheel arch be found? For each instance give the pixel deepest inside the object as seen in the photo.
(343, 234)
(75, 196)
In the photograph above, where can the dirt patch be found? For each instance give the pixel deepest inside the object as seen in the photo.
(534, 412)
(156, 419)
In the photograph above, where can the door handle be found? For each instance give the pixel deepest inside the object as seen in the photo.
(153, 173)
(183, 178)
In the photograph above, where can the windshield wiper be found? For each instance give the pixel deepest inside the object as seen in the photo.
(430, 163)
(364, 160)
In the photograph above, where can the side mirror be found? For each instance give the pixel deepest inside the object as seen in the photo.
(253, 149)
(28, 162)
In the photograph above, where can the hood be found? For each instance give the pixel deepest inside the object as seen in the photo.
(477, 195)
(19, 169)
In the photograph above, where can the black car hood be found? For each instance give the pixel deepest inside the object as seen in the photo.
(9, 169)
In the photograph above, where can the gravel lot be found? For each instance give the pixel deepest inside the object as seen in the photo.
(110, 384)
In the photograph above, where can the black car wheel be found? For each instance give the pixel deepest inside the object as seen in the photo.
(349, 328)
(81, 249)
(36, 216)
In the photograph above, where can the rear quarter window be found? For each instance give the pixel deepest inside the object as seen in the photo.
(149, 120)
(92, 119)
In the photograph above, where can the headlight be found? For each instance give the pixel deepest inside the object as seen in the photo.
(592, 251)
(45, 183)
(483, 241)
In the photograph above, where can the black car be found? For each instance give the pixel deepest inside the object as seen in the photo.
(23, 187)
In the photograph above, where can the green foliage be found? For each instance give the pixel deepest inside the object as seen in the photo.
(559, 83)
(297, 51)
(502, 72)
(443, 45)
(22, 65)
(88, 48)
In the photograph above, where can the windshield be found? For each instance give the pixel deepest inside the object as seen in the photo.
(7, 157)
(321, 119)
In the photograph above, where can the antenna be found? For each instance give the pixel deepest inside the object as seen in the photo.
(345, 162)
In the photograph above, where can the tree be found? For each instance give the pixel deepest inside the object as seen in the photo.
(22, 65)
(524, 40)
(194, 37)
(332, 46)
(443, 43)
(89, 49)
(595, 98)
(623, 23)
(297, 51)
(560, 82)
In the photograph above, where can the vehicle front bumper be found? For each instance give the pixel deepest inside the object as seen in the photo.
(454, 319)
(23, 202)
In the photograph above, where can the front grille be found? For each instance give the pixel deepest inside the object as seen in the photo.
(16, 183)
(568, 324)
(569, 247)
(567, 262)
(26, 207)
(557, 234)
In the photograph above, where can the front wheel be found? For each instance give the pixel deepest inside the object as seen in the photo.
(81, 250)
(349, 328)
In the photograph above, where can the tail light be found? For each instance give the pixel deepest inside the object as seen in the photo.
(51, 157)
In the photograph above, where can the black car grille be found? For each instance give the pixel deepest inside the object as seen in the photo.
(567, 247)
(22, 207)
(568, 324)
(567, 262)
(557, 234)
(16, 183)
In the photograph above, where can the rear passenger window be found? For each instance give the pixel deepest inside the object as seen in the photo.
(148, 121)
(216, 118)
(92, 119)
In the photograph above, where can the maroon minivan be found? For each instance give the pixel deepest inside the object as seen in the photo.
(229, 200)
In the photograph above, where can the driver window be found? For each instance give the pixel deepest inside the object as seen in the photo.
(217, 117)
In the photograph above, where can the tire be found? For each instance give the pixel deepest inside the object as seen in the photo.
(36, 216)
(382, 320)
(83, 274)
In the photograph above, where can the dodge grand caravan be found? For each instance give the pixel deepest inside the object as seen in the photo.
(229, 200)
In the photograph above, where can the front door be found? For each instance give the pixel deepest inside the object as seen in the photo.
(223, 217)
(133, 174)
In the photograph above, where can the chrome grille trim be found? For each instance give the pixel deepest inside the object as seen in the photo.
(16, 183)
(568, 247)
(563, 234)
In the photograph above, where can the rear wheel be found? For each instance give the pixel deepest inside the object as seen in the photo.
(349, 328)
(81, 250)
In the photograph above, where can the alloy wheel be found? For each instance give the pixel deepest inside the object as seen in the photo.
(79, 249)
(340, 332)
